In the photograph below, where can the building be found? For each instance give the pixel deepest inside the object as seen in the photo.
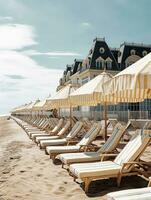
(102, 57)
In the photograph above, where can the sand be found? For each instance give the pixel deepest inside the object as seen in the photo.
(26, 173)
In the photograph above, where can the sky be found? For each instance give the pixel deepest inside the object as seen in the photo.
(38, 38)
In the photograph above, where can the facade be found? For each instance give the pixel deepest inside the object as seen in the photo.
(102, 57)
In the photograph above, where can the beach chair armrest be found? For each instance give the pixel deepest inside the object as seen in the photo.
(135, 162)
(72, 142)
(108, 155)
(90, 147)
(132, 164)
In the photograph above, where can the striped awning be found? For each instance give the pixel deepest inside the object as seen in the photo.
(132, 84)
(39, 106)
(61, 98)
(92, 92)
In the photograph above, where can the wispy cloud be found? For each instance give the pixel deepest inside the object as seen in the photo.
(6, 18)
(86, 24)
(52, 54)
(16, 36)
(14, 76)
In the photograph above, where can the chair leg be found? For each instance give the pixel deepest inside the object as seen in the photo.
(119, 180)
(149, 183)
(87, 182)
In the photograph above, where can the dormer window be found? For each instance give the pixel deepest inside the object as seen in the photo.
(133, 52)
(131, 59)
(144, 53)
(100, 63)
(101, 50)
(108, 63)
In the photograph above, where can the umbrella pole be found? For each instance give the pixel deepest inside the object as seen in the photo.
(70, 116)
(58, 112)
(105, 119)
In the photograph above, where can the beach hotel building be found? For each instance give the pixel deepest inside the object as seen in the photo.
(101, 57)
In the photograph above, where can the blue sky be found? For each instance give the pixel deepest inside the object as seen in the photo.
(38, 38)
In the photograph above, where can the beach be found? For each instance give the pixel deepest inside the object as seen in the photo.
(26, 173)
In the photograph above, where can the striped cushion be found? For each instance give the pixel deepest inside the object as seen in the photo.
(134, 147)
(97, 169)
(75, 130)
(34, 135)
(38, 139)
(113, 140)
(62, 149)
(45, 143)
(79, 157)
(130, 194)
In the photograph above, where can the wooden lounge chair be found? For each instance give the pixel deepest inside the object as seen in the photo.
(132, 194)
(125, 164)
(42, 124)
(59, 135)
(40, 129)
(54, 131)
(71, 135)
(80, 146)
(108, 147)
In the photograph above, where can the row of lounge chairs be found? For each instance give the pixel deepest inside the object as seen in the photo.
(73, 147)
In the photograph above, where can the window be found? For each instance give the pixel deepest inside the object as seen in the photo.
(133, 52)
(102, 50)
(131, 59)
(144, 53)
(109, 65)
(99, 63)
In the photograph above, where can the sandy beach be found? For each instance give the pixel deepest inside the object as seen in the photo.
(26, 173)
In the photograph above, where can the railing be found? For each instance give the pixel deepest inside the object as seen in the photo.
(120, 115)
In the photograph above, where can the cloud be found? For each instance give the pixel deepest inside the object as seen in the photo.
(86, 24)
(6, 18)
(23, 80)
(52, 54)
(14, 76)
(16, 36)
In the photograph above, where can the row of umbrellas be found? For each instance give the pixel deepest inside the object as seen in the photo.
(130, 85)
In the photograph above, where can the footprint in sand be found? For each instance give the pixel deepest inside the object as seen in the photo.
(29, 167)
(49, 185)
(60, 190)
(22, 171)
(39, 175)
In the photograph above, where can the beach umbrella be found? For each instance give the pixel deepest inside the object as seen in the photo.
(61, 98)
(30, 106)
(39, 106)
(132, 84)
(91, 94)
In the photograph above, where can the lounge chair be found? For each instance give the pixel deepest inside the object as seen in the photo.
(132, 194)
(108, 147)
(125, 164)
(59, 135)
(54, 131)
(71, 135)
(80, 146)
